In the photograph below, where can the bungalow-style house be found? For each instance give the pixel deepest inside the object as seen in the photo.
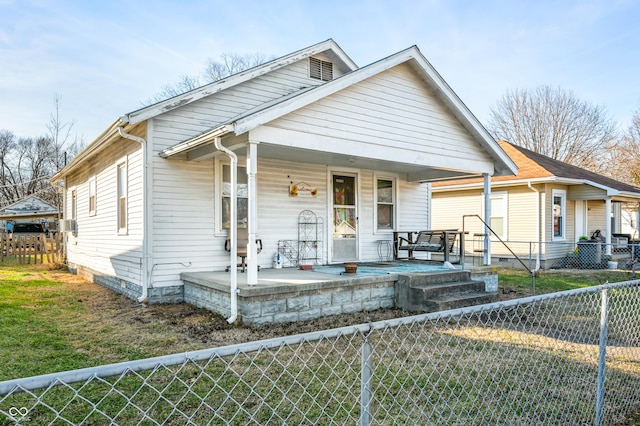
(152, 197)
(549, 203)
(29, 209)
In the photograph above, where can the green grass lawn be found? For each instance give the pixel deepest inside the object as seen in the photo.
(52, 321)
(554, 281)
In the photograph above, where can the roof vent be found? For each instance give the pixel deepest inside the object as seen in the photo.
(321, 70)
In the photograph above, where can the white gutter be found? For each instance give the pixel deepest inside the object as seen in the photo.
(145, 275)
(198, 140)
(538, 236)
(232, 228)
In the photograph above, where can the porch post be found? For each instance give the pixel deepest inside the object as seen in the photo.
(252, 225)
(487, 215)
(607, 225)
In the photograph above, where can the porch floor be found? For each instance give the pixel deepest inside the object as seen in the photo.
(291, 294)
(282, 280)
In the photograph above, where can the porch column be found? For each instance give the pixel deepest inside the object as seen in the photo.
(607, 224)
(252, 225)
(487, 215)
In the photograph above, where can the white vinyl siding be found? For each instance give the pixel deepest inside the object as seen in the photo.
(391, 115)
(96, 245)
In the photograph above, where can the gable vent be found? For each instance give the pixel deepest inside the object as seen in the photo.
(321, 70)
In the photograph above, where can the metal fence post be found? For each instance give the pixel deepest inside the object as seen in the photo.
(633, 262)
(604, 318)
(533, 277)
(365, 384)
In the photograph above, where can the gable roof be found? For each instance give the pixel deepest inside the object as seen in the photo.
(534, 167)
(30, 206)
(111, 133)
(340, 59)
(275, 109)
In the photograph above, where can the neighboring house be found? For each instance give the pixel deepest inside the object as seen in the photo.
(548, 201)
(29, 209)
(152, 196)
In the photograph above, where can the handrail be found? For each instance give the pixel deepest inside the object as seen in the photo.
(531, 271)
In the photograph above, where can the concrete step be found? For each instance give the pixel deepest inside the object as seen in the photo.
(453, 301)
(435, 278)
(440, 291)
(430, 291)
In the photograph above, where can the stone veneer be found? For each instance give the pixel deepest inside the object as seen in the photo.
(275, 304)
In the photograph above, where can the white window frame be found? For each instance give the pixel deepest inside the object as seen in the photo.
(563, 207)
(219, 188)
(93, 194)
(122, 194)
(504, 197)
(74, 203)
(394, 202)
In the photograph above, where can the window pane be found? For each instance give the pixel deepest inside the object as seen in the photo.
(344, 190)
(557, 217)
(242, 185)
(344, 223)
(242, 215)
(497, 224)
(385, 216)
(385, 191)
(122, 213)
(497, 206)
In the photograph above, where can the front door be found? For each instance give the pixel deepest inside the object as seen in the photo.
(345, 218)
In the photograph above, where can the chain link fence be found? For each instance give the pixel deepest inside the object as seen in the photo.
(566, 358)
(562, 255)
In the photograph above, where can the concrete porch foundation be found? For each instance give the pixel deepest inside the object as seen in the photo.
(290, 295)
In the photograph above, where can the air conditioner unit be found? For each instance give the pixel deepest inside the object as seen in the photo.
(68, 225)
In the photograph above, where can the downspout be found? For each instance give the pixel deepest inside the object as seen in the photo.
(538, 217)
(487, 214)
(145, 276)
(232, 227)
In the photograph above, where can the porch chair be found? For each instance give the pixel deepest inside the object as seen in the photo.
(243, 241)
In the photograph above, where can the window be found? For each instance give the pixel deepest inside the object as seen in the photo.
(498, 213)
(558, 213)
(243, 200)
(122, 197)
(74, 204)
(320, 70)
(385, 196)
(92, 196)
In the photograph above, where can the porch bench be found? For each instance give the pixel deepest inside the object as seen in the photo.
(434, 241)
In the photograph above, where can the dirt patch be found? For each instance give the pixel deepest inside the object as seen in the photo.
(180, 327)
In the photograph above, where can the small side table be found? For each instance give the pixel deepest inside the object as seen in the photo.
(384, 250)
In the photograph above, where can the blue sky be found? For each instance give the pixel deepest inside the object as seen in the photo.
(104, 58)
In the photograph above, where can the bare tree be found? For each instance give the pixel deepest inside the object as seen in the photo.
(231, 63)
(27, 163)
(624, 158)
(65, 143)
(555, 123)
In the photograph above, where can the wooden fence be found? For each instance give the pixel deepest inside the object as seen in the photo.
(31, 248)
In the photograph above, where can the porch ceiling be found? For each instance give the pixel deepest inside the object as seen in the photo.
(411, 172)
